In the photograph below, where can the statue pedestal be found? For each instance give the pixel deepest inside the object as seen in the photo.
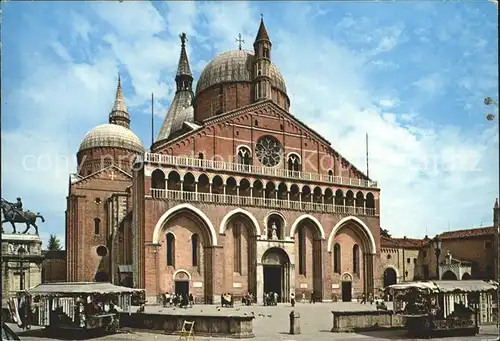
(21, 263)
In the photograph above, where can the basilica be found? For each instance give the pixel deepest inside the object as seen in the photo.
(236, 195)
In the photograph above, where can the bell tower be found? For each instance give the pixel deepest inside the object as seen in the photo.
(262, 64)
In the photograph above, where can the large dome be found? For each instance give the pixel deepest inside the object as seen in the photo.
(234, 66)
(112, 136)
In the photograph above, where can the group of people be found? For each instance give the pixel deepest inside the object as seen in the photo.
(271, 298)
(178, 300)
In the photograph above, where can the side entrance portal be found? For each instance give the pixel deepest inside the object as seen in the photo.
(276, 266)
(346, 286)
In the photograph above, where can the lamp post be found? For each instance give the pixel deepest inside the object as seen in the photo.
(21, 252)
(436, 242)
(490, 117)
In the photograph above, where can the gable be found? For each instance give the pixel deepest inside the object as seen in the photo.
(221, 135)
(110, 174)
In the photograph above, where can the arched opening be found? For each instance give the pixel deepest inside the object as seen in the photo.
(294, 193)
(329, 198)
(370, 204)
(97, 226)
(317, 195)
(270, 190)
(330, 174)
(231, 186)
(101, 276)
(466, 276)
(174, 181)
(449, 276)
(306, 194)
(195, 243)
(339, 198)
(203, 184)
(355, 259)
(349, 200)
(258, 189)
(293, 164)
(170, 248)
(275, 227)
(189, 183)
(217, 185)
(336, 259)
(244, 188)
(360, 203)
(282, 191)
(346, 287)
(390, 277)
(308, 257)
(276, 267)
(158, 179)
(244, 156)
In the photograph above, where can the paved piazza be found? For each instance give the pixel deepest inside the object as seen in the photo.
(272, 323)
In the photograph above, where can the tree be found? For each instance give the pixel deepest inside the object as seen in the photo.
(54, 243)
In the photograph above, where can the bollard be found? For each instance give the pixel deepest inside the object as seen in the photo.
(294, 323)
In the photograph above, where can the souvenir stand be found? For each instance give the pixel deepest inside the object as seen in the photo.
(79, 305)
(441, 307)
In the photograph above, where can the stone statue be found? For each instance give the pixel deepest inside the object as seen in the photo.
(13, 213)
(274, 231)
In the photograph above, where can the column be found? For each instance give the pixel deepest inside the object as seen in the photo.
(260, 284)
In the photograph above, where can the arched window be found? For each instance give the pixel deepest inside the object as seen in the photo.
(158, 179)
(195, 242)
(302, 251)
(355, 259)
(97, 226)
(244, 156)
(170, 249)
(294, 163)
(330, 173)
(237, 247)
(266, 52)
(336, 259)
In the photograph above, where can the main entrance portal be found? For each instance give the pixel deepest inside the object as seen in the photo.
(181, 287)
(276, 266)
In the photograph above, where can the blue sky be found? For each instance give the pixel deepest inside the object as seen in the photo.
(412, 75)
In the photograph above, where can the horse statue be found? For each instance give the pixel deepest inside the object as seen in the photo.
(13, 214)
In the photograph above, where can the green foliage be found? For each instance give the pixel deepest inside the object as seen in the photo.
(54, 243)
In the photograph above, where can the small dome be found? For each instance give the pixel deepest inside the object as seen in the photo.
(112, 136)
(234, 66)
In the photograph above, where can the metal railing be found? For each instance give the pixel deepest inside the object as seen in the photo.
(235, 200)
(189, 162)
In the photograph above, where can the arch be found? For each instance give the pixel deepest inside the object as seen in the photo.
(372, 247)
(313, 219)
(163, 219)
(181, 271)
(244, 146)
(337, 256)
(170, 239)
(294, 154)
(346, 277)
(449, 276)
(355, 259)
(281, 256)
(158, 179)
(466, 276)
(223, 224)
(390, 276)
(266, 219)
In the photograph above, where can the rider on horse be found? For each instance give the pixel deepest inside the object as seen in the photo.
(19, 206)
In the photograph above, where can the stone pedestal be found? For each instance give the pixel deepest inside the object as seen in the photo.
(21, 263)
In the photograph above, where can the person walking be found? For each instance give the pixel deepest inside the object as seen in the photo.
(363, 299)
(292, 298)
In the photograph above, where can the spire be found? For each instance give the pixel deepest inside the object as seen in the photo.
(496, 203)
(119, 114)
(262, 33)
(181, 109)
(184, 77)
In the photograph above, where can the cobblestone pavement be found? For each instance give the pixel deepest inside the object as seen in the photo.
(272, 323)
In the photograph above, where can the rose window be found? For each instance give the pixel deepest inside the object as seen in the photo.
(269, 151)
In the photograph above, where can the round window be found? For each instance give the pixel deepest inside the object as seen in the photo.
(269, 151)
(102, 251)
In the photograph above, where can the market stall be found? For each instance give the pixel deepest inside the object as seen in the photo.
(79, 305)
(446, 307)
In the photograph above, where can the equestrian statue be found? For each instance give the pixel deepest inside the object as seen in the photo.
(13, 213)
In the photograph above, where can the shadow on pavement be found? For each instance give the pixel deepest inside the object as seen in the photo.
(64, 334)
